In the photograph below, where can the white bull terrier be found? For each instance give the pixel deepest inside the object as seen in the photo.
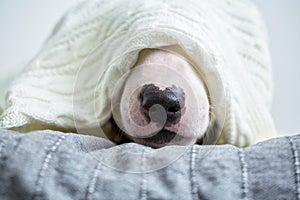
(181, 115)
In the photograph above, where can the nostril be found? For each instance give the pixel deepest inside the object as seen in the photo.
(170, 101)
(174, 108)
(147, 100)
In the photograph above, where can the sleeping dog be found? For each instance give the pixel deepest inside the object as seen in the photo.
(179, 113)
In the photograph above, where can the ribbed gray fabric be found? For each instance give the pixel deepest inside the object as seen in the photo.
(54, 165)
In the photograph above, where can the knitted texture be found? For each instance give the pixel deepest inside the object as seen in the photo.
(71, 80)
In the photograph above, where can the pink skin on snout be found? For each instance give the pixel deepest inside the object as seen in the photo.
(170, 73)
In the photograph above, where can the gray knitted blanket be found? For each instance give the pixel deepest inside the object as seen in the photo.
(55, 165)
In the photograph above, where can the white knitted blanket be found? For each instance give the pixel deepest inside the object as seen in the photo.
(70, 82)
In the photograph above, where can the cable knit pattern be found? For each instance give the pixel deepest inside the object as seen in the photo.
(72, 78)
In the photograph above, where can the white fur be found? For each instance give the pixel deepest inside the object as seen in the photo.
(161, 67)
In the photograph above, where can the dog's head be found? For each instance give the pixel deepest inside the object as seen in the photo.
(163, 101)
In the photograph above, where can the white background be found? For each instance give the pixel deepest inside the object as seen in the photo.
(24, 25)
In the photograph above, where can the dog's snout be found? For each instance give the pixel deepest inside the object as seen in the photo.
(172, 99)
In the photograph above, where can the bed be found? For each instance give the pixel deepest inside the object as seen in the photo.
(55, 165)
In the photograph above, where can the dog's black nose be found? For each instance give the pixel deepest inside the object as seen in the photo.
(172, 99)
